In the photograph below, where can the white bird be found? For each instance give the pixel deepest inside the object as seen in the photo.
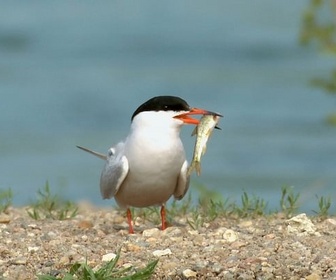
(150, 166)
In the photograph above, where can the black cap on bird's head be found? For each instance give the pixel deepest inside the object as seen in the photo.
(163, 103)
(172, 103)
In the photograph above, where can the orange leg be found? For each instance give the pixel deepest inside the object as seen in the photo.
(163, 217)
(129, 219)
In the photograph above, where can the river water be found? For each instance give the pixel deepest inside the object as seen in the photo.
(72, 73)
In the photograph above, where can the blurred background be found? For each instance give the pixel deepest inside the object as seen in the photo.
(72, 73)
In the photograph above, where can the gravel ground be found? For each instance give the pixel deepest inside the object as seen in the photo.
(271, 247)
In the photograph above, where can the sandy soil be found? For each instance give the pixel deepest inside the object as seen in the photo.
(272, 247)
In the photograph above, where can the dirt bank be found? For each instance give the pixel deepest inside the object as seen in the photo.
(271, 247)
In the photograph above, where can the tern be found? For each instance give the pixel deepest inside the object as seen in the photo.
(150, 165)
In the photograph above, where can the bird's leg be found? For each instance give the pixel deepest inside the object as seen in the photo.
(163, 217)
(129, 219)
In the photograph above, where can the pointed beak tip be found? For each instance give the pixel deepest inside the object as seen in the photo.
(186, 117)
(198, 111)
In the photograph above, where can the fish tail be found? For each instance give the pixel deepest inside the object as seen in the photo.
(194, 165)
(198, 168)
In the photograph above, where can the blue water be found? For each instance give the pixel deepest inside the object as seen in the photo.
(72, 73)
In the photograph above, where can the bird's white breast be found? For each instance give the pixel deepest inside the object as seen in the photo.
(155, 156)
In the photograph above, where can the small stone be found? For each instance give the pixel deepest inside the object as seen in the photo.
(84, 237)
(52, 234)
(220, 231)
(230, 235)
(313, 276)
(188, 273)
(133, 247)
(64, 260)
(20, 260)
(4, 219)
(302, 226)
(85, 224)
(173, 231)
(34, 226)
(169, 266)
(198, 240)
(160, 253)
(193, 232)
(151, 232)
(119, 220)
(238, 244)
(33, 249)
(108, 257)
(54, 242)
(217, 267)
(246, 224)
(331, 222)
(270, 236)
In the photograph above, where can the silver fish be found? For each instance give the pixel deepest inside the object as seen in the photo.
(203, 131)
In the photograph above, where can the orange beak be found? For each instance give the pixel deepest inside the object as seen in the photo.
(185, 117)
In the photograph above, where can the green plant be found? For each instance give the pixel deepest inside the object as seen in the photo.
(319, 27)
(151, 214)
(254, 206)
(324, 206)
(215, 208)
(180, 208)
(6, 197)
(109, 271)
(50, 206)
(289, 201)
(195, 220)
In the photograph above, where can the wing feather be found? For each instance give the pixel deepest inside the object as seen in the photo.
(182, 182)
(114, 172)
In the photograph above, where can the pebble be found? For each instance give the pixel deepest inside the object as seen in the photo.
(198, 240)
(160, 253)
(220, 231)
(20, 260)
(230, 236)
(238, 244)
(64, 260)
(108, 257)
(34, 226)
(313, 276)
(301, 226)
(193, 232)
(168, 266)
(133, 247)
(188, 273)
(85, 224)
(33, 248)
(151, 232)
(331, 222)
(246, 224)
(4, 219)
(84, 237)
(52, 234)
(173, 232)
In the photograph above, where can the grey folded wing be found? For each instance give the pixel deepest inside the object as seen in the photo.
(183, 181)
(113, 174)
